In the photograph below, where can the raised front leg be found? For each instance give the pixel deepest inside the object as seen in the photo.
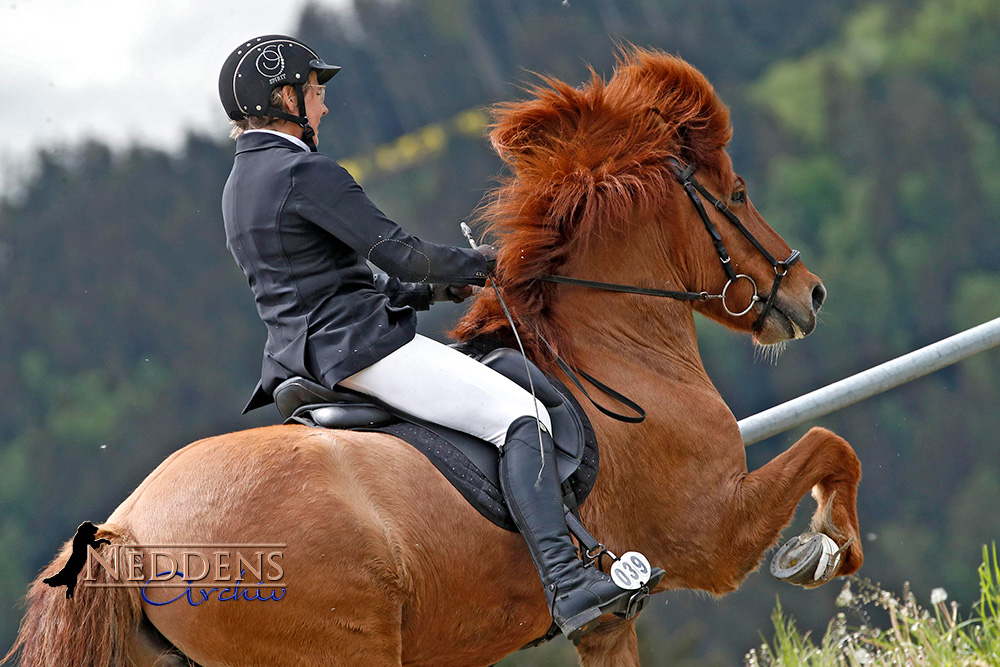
(821, 462)
(612, 644)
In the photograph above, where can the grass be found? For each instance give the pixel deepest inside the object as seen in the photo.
(916, 635)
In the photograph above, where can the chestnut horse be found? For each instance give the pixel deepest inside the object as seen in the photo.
(384, 561)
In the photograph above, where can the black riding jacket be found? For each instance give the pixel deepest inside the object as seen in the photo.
(302, 229)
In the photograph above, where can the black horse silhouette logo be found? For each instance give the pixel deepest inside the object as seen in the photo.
(67, 576)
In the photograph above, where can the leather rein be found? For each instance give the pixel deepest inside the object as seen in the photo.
(685, 176)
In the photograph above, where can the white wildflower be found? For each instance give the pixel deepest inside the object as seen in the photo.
(863, 657)
(846, 596)
(938, 595)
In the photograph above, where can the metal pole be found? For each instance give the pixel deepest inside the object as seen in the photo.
(867, 383)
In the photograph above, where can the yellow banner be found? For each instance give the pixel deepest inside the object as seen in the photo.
(416, 147)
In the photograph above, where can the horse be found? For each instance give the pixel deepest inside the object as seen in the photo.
(384, 562)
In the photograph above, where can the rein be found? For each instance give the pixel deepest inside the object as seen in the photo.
(694, 190)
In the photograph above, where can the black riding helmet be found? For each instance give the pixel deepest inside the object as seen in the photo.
(258, 66)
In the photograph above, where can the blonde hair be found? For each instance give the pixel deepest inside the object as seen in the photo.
(238, 127)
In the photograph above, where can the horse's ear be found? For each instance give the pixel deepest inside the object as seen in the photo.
(686, 137)
(673, 133)
(659, 120)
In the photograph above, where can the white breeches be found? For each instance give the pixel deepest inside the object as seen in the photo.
(430, 380)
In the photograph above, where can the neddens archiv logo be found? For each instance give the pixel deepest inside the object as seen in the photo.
(167, 573)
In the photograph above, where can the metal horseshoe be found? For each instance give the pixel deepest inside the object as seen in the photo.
(754, 299)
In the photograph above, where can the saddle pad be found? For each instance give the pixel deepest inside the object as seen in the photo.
(482, 490)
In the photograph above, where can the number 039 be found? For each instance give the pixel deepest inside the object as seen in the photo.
(631, 570)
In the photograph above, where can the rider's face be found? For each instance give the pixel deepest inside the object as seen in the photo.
(315, 105)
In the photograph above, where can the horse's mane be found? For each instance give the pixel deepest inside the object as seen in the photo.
(584, 162)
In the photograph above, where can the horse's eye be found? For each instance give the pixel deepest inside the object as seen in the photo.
(739, 197)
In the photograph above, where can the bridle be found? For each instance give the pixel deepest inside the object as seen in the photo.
(685, 176)
(694, 189)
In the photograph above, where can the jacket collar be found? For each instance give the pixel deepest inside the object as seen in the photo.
(256, 141)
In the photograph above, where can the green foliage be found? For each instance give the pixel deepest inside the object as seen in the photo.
(88, 408)
(984, 143)
(794, 92)
(916, 635)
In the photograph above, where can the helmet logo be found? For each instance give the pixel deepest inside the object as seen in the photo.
(270, 62)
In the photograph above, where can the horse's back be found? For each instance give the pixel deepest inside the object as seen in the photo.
(307, 494)
(362, 518)
(272, 483)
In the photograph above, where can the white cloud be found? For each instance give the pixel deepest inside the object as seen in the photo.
(120, 70)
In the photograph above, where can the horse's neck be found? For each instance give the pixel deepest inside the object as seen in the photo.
(610, 333)
(652, 357)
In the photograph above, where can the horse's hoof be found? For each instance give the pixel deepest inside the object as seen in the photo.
(811, 559)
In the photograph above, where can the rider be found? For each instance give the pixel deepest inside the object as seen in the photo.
(301, 229)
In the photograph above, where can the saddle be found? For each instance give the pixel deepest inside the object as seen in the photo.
(469, 463)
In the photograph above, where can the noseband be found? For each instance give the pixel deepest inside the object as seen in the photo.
(685, 176)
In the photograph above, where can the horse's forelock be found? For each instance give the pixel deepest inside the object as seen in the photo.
(584, 162)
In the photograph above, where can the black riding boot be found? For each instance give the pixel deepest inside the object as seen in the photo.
(577, 595)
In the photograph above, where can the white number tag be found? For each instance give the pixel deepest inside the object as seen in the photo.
(631, 571)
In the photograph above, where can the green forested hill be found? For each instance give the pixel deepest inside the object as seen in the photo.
(869, 134)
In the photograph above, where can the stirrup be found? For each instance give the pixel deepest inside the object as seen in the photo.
(576, 627)
(626, 605)
(638, 601)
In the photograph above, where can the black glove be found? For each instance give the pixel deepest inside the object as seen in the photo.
(489, 253)
(454, 292)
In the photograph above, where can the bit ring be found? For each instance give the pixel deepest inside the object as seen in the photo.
(754, 299)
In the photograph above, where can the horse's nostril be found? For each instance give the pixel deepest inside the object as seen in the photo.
(819, 296)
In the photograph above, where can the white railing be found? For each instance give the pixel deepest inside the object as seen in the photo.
(868, 383)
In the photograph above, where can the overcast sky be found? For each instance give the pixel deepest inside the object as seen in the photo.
(120, 70)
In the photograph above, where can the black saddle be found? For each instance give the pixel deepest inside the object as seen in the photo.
(470, 464)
